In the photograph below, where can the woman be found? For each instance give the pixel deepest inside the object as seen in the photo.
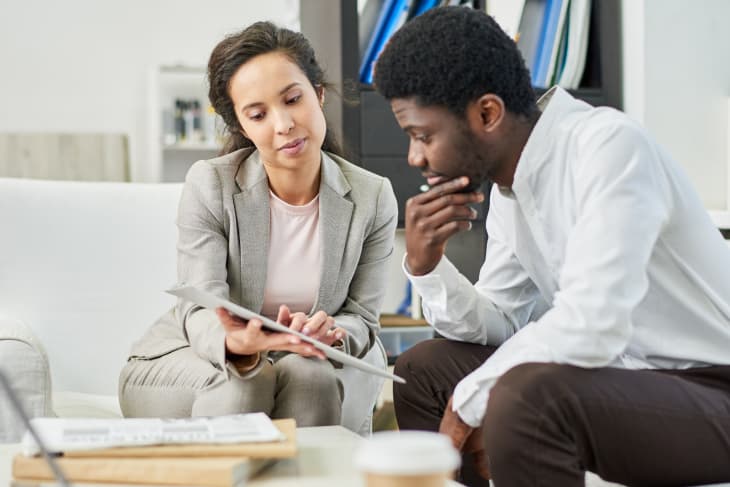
(279, 224)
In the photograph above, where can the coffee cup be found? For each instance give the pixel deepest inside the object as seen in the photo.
(407, 459)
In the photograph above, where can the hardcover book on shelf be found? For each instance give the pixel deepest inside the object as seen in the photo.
(579, 15)
(559, 65)
(392, 16)
(507, 13)
(554, 44)
(555, 12)
(420, 6)
(367, 21)
(529, 33)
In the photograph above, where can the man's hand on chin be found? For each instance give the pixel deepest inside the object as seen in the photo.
(432, 217)
(465, 438)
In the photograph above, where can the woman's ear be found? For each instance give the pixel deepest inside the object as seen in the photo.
(320, 94)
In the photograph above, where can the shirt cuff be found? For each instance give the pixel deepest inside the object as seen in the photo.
(470, 401)
(431, 286)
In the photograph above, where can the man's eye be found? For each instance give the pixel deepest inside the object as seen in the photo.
(422, 138)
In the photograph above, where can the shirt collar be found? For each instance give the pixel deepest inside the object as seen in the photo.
(554, 105)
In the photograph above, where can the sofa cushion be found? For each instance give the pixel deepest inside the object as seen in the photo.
(85, 266)
(67, 404)
(25, 366)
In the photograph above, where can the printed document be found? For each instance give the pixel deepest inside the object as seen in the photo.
(74, 434)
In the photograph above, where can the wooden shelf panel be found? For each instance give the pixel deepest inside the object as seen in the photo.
(387, 319)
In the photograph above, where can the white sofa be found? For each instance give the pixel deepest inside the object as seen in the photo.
(83, 267)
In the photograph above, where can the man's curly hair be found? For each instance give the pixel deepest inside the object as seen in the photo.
(450, 56)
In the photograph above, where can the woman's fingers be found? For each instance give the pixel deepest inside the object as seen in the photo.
(318, 325)
(298, 321)
(284, 316)
(302, 348)
(333, 335)
(228, 320)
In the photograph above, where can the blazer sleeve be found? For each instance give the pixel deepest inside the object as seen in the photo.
(202, 253)
(359, 315)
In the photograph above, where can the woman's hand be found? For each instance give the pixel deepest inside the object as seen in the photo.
(320, 326)
(248, 338)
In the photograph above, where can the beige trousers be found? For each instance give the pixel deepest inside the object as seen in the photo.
(181, 384)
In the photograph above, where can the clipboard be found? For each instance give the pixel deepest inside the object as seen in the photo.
(211, 301)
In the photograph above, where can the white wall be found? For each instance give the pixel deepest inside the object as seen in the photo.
(677, 83)
(82, 65)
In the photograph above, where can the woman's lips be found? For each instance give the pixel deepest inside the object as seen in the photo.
(294, 147)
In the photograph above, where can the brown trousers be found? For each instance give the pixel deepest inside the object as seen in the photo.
(549, 423)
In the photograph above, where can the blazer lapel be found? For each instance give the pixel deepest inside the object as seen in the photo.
(335, 213)
(252, 216)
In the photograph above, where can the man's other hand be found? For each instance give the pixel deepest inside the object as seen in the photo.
(466, 439)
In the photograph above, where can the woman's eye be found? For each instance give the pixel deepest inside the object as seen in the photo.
(256, 116)
(293, 99)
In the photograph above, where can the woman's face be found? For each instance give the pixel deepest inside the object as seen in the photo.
(279, 110)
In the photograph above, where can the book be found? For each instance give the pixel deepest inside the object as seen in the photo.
(211, 301)
(547, 42)
(392, 16)
(367, 21)
(559, 66)
(206, 465)
(507, 13)
(579, 16)
(421, 6)
(559, 35)
(204, 472)
(529, 33)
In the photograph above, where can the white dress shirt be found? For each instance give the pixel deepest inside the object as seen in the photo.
(601, 254)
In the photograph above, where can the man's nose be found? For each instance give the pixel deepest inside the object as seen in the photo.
(415, 156)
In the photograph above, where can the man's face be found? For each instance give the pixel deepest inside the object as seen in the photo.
(441, 145)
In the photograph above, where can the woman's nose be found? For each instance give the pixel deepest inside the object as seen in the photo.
(284, 123)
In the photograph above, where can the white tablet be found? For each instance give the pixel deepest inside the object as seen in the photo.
(211, 301)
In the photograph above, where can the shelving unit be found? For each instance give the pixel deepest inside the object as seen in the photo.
(399, 333)
(170, 154)
(369, 130)
(368, 127)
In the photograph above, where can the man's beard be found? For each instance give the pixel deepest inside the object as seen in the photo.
(472, 162)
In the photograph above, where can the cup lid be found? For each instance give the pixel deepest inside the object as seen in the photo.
(407, 453)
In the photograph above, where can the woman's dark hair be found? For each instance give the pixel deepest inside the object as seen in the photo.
(236, 50)
(449, 57)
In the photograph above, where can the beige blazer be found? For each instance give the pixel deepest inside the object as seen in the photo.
(223, 223)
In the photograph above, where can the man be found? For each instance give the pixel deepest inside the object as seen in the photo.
(605, 285)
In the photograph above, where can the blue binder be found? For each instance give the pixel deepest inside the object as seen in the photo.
(424, 5)
(384, 28)
(547, 42)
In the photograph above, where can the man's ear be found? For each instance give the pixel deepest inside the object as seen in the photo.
(486, 112)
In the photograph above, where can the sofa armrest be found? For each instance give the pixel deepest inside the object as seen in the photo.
(25, 364)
